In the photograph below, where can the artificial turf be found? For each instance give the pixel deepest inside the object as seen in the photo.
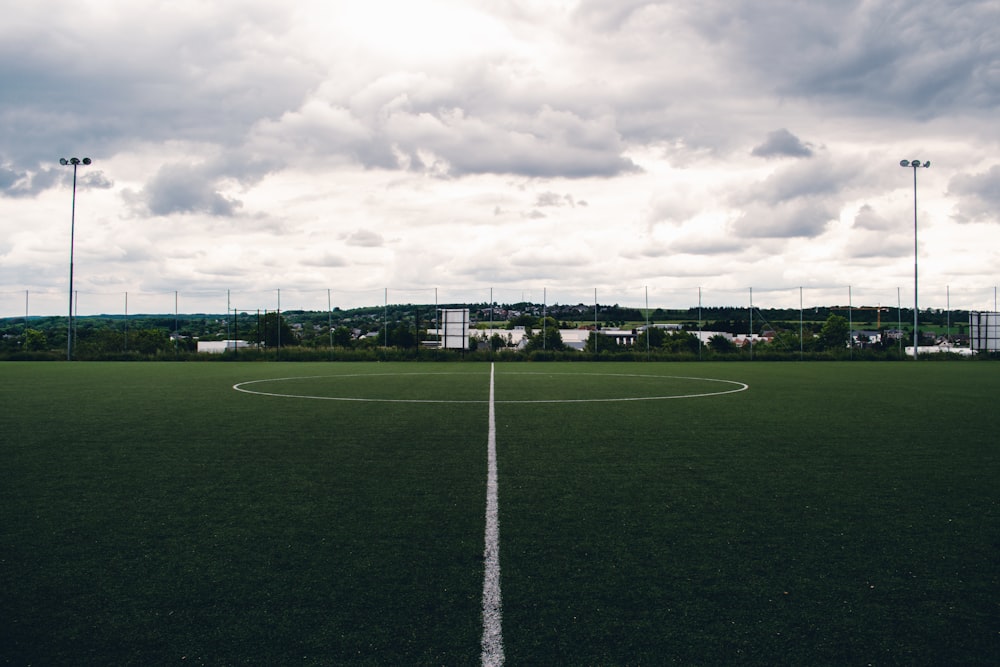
(833, 513)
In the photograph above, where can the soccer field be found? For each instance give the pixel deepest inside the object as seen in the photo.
(649, 513)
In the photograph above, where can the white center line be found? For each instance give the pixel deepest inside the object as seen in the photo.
(492, 655)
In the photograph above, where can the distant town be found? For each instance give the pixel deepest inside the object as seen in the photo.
(528, 328)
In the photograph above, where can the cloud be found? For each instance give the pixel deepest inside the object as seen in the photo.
(554, 199)
(797, 200)
(322, 259)
(679, 205)
(868, 218)
(96, 180)
(700, 245)
(922, 60)
(106, 79)
(786, 219)
(816, 178)
(782, 143)
(545, 143)
(977, 195)
(22, 183)
(872, 244)
(873, 236)
(364, 238)
(179, 188)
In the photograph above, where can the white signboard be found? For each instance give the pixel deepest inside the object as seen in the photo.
(455, 328)
(984, 330)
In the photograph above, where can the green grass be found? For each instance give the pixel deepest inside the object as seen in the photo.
(833, 514)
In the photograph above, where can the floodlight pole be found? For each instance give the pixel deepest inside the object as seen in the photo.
(914, 164)
(72, 233)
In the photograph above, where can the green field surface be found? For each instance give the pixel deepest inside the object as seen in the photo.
(650, 513)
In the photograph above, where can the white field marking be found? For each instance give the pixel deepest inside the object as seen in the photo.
(739, 386)
(492, 655)
(240, 387)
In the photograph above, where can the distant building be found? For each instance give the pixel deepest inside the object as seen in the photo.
(865, 338)
(937, 349)
(220, 346)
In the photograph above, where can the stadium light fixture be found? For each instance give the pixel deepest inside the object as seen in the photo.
(75, 162)
(915, 164)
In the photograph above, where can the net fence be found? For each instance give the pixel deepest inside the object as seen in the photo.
(30, 303)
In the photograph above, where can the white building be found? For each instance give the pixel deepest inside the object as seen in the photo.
(220, 346)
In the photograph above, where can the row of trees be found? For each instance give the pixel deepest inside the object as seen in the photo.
(371, 328)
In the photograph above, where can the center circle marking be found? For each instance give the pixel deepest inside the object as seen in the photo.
(732, 387)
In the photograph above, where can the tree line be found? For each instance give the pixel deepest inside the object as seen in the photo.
(404, 327)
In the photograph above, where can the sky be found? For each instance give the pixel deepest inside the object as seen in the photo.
(312, 154)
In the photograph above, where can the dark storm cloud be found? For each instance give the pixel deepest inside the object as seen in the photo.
(977, 195)
(782, 143)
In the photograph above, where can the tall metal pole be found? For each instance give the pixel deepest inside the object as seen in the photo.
(72, 234)
(595, 320)
(948, 309)
(914, 164)
(899, 320)
(701, 343)
(916, 335)
(850, 321)
(800, 324)
(647, 322)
